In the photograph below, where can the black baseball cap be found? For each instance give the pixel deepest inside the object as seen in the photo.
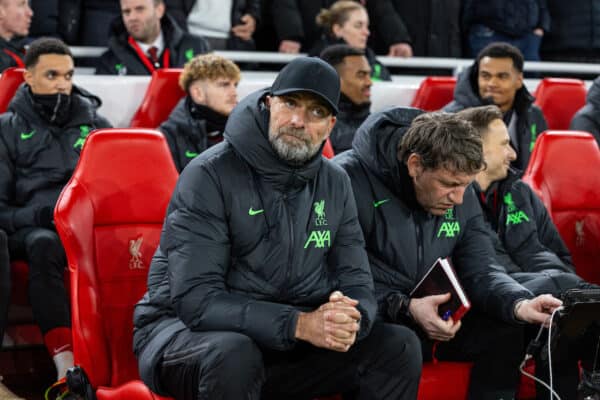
(309, 74)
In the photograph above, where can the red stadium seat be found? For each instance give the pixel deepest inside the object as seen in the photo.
(559, 99)
(109, 217)
(10, 80)
(563, 171)
(161, 97)
(434, 93)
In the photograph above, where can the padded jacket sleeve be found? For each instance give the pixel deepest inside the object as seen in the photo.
(287, 20)
(196, 241)
(351, 265)
(390, 27)
(584, 121)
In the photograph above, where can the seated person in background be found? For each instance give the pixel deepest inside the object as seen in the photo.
(145, 39)
(347, 22)
(226, 25)
(15, 18)
(496, 77)
(198, 120)
(415, 204)
(588, 118)
(355, 98)
(527, 243)
(43, 132)
(260, 287)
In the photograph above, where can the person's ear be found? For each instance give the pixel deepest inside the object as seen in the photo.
(414, 165)
(337, 30)
(197, 93)
(28, 77)
(160, 9)
(268, 101)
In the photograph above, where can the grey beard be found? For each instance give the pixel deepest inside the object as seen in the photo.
(295, 154)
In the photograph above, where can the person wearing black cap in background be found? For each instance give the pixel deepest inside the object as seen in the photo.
(261, 287)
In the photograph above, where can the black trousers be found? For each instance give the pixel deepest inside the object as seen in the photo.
(43, 251)
(496, 349)
(4, 283)
(228, 365)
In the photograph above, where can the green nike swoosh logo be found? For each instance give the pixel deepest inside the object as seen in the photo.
(25, 136)
(380, 202)
(190, 154)
(254, 212)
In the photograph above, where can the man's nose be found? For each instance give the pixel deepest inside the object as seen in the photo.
(457, 194)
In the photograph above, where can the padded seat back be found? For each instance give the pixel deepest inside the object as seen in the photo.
(434, 93)
(563, 170)
(559, 99)
(109, 217)
(161, 97)
(10, 80)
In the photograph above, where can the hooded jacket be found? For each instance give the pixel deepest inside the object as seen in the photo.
(37, 158)
(403, 240)
(349, 118)
(122, 59)
(537, 255)
(530, 119)
(588, 118)
(249, 241)
(186, 134)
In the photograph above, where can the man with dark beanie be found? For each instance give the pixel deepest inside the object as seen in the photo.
(260, 287)
(43, 132)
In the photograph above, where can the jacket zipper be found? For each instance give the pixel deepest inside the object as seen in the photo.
(288, 270)
(419, 233)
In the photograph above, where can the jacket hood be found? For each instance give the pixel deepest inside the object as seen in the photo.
(247, 131)
(466, 92)
(83, 105)
(593, 95)
(376, 141)
(171, 31)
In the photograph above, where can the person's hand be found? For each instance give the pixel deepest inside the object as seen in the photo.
(537, 310)
(332, 326)
(425, 312)
(289, 46)
(400, 50)
(538, 32)
(246, 28)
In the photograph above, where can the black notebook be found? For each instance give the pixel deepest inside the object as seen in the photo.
(441, 278)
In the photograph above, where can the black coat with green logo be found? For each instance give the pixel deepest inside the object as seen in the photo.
(186, 134)
(530, 119)
(403, 240)
(38, 158)
(524, 226)
(250, 240)
(122, 59)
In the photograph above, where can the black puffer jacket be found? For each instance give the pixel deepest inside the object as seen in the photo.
(122, 59)
(403, 240)
(588, 118)
(524, 226)
(530, 119)
(527, 241)
(349, 118)
(186, 132)
(249, 241)
(510, 17)
(37, 158)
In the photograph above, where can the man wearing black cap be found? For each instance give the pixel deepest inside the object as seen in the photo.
(261, 287)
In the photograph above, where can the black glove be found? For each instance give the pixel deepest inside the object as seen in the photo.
(397, 307)
(44, 217)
